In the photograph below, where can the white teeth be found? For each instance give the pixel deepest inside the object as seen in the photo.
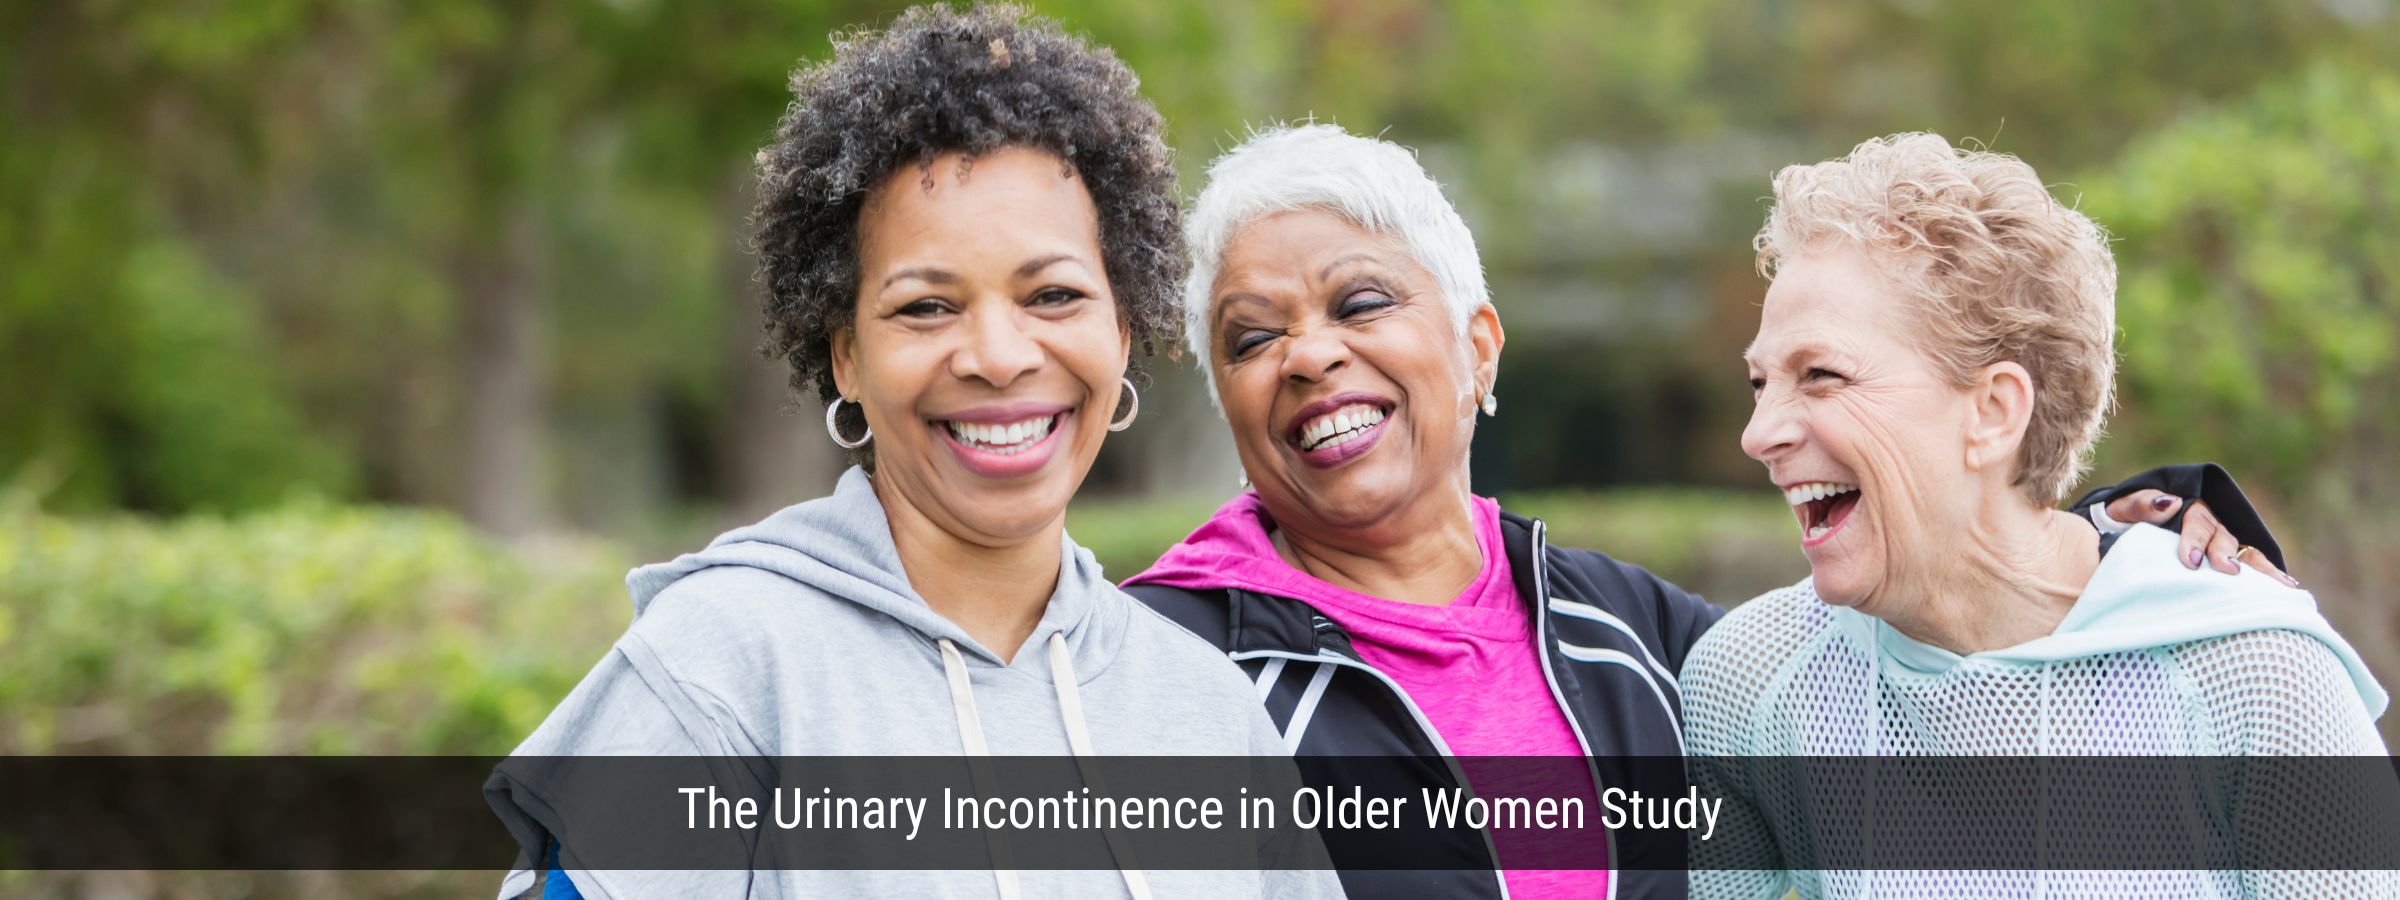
(1818, 531)
(1815, 490)
(1339, 427)
(1011, 438)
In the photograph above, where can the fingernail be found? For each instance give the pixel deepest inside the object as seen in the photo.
(2192, 560)
(2162, 504)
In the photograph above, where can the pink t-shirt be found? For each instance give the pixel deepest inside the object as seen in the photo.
(1470, 667)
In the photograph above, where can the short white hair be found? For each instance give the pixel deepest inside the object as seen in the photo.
(1376, 185)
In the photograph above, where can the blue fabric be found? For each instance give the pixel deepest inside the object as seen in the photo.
(557, 887)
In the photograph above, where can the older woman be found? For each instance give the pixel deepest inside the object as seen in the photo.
(1935, 358)
(1384, 609)
(965, 221)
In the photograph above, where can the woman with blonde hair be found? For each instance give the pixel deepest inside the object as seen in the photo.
(1935, 359)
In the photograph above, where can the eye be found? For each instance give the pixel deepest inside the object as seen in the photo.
(1056, 296)
(1820, 373)
(1247, 341)
(1757, 384)
(1363, 302)
(925, 308)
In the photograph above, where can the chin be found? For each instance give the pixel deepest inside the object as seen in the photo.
(1357, 495)
(1016, 511)
(1016, 508)
(1840, 582)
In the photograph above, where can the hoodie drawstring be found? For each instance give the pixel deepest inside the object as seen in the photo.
(979, 766)
(1079, 740)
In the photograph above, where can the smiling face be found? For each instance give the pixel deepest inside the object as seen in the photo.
(1349, 390)
(1856, 426)
(986, 351)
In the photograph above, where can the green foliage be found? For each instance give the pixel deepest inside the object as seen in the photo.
(339, 185)
(307, 629)
(2259, 288)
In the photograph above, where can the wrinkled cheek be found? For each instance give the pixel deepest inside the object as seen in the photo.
(1898, 490)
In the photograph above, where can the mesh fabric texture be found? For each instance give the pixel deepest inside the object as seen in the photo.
(1779, 677)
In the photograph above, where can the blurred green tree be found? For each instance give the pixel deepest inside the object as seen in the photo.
(489, 257)
(2259, 287)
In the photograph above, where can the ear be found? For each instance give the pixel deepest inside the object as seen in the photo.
(2002, 398)
(845, 343)
(1485, 336)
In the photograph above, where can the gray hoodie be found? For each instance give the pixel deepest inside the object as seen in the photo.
(800, 636)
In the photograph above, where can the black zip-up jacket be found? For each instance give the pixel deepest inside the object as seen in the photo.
(1612, 636)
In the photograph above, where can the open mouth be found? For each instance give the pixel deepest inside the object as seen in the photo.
(1003, 438)
(1823, 506)
(1337, 427)
(1005, 442)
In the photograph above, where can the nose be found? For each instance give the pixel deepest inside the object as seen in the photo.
(1774, 429)
(1313, 354)
(998, 349)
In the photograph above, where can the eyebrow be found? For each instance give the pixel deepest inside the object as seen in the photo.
(1809, 348)
(1038, 263)
(934, 275)
(1238, 297)
(1342, 260)
(922, 273)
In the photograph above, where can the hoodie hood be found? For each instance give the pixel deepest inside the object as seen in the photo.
(842, 546)
(2140, 598)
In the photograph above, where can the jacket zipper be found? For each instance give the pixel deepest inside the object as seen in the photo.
(1541, 641)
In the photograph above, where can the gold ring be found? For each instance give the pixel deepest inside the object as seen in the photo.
(2245, 548)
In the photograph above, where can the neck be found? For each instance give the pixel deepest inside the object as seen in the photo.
(1424, 554)
(2012, 580)
(996, 593)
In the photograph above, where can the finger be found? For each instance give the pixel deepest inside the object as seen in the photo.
(2254, 558)
(2145, 506)
(2221, 550)
(2199, 526)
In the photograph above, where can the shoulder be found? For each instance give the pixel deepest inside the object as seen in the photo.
(1205, 614)
(725, 599)
(1771, 627)
(1734, 666)
(1578, 566)
(1666, 613)
(1154, 640)
(2276, 692)
(1198, 700)
(729, 628)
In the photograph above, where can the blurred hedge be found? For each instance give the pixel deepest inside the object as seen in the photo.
(311, 629)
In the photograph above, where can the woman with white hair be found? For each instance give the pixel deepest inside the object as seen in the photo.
(1935, 357)
(1337, 304)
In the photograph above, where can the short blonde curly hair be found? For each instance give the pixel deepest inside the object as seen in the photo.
(2001, 272)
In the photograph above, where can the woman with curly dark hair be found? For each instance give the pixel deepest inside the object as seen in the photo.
(966, 222)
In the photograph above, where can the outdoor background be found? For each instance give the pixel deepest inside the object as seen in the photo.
(351, 351)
